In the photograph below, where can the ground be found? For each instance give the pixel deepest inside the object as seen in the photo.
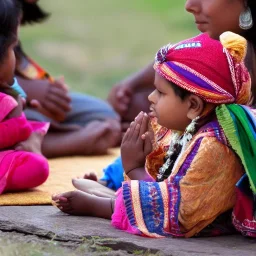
(45, 231)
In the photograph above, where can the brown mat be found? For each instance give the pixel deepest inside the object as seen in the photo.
(62, 170)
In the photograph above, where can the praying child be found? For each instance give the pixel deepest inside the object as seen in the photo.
(201, 87)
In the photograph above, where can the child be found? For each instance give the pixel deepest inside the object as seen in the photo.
(199, 84)
(19, 169)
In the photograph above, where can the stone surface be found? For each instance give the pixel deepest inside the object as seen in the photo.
(49, 222)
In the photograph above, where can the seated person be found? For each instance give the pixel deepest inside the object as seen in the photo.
(201, 89)
(22, 165)
(80, 124)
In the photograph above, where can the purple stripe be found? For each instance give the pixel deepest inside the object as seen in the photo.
(191, 77)
(188, 160)
(176, 181)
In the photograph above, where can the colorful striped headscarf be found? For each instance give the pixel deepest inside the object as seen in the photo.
(215, 71)
(204, 67)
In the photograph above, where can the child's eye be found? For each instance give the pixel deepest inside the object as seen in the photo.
(159, 91)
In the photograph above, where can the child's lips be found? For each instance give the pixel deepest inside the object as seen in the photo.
(152, 112)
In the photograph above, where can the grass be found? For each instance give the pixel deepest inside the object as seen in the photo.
(19, 245)
(95, 43)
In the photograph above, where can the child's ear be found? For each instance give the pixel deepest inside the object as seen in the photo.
(195, 106)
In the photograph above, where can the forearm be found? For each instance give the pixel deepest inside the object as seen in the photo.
(143, 79)
(139, 174)
(24, 83)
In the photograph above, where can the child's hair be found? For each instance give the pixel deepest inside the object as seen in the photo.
(180, 92)
(9, 21)
(32, 13)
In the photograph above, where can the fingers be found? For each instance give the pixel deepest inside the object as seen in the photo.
(126, 135)
(60, 83)
(58, 92)
(60, 101)
(147, 143)
(144, 124)
(131, 130)
(56, 112)
(37, 105)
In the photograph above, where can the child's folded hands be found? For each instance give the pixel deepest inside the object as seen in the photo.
(136, 144)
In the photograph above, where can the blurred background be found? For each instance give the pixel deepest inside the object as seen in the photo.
(95, 43)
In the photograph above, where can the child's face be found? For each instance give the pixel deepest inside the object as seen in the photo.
(169, 109)
(7, 67)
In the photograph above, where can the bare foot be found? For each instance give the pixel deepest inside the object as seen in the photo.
(93, 187)
(74, 203)
(32, 144)
(93, 176)
(84, 204)
(94, 139)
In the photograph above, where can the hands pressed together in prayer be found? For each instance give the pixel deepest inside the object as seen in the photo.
(136, 145)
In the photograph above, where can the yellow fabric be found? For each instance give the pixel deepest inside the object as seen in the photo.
(208, 188)
(62, 170)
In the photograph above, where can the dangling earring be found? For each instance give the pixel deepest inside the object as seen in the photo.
(245, 19)
(190, 130)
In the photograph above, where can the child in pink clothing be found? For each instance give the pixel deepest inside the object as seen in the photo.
(21, 164)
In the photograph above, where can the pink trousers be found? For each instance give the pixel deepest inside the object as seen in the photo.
(20, 170)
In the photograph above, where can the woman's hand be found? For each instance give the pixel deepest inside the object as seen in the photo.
(51, 99)
(136, 144)
(120, 97)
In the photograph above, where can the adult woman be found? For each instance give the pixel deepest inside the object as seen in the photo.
(214, 17)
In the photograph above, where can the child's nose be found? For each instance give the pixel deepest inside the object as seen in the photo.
(151, 96)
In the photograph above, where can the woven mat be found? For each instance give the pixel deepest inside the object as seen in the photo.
(62, 170)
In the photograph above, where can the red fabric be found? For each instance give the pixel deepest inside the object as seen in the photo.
(243, 219)
(204, 67)
(209, 60)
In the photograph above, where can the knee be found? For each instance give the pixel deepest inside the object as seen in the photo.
(39, 168)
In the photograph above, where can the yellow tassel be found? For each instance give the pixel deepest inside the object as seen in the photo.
(235, 44)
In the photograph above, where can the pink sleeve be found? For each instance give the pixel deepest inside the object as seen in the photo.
(7, 104)
(119, 217)
(14, 130)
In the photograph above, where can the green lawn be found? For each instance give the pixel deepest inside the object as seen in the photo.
(95, 43)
